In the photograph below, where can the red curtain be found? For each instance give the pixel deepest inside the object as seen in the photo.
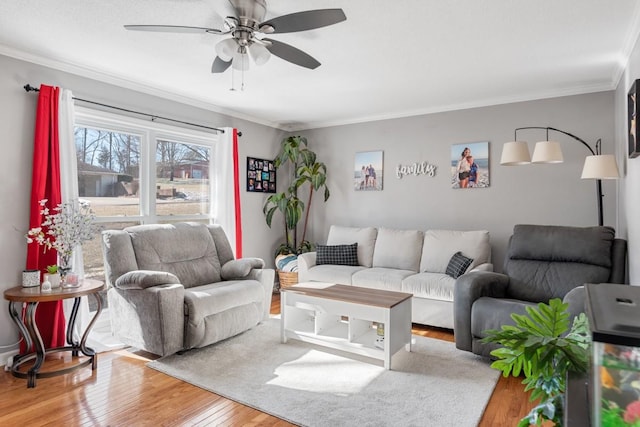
(236, 194)
(45, 184)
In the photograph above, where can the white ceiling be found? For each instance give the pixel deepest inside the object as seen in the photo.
(388, 59)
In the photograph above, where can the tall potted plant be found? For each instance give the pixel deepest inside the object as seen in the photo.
(307, 173)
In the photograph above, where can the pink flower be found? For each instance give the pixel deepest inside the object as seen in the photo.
(632, 413)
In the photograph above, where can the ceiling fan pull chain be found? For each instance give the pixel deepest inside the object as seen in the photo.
(233, 84)
(242, 75)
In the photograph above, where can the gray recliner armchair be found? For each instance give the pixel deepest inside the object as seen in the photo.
(542, 263)
(177, 286)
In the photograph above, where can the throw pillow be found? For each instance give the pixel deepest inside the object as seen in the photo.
(458, 265)
(337, 254)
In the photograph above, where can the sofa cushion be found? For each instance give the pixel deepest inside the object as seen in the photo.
(364, 237)
(184, 249)
(220, 310)
(458, 265)
(203, 301)
(340, 274)
(337, 254)
(398, 249)
(380, 278)
(436, 286)
(440, 245)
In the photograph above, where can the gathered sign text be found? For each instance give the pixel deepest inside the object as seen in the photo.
(416, 169)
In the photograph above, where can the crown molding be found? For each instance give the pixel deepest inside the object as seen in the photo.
(533, 96)
(629, 45)
(127, 83)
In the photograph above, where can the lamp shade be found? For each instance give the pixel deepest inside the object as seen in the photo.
(547, 152)
(603, 166)
(515, 153)
(226, 49)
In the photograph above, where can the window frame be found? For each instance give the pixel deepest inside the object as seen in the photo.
(150, 132)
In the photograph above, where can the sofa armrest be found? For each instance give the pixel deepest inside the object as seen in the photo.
(240, 268)
(266, 276)
(305, 262)
(487, 266)
(150, 319)
(468, 288)
(142, 279)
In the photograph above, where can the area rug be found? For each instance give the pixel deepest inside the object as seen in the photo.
(433, 385)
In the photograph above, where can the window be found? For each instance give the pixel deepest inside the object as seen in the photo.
(139, 172)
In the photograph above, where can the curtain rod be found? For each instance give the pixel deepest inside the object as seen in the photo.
(153, 117)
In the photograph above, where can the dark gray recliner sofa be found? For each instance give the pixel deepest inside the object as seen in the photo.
(543, 262)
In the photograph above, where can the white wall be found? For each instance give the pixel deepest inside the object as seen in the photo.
(17, 117)
(534, 194)
(629, 168)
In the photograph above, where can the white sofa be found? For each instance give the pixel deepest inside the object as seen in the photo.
(409, 261)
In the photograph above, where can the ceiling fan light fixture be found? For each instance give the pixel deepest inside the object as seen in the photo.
(240, 59)
(259, 53)
(266, 29)
(226, 49)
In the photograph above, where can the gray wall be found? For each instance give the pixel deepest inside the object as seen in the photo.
(534, 194)
(17, 117)
(629, 168)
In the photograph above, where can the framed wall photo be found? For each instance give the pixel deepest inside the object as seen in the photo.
(632, 110)
(368, 171)
(470, 165)
(261, 175)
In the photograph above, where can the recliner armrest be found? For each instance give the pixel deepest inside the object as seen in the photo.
(240, 268)
(468, 288)
(142, 279)
(266, 277)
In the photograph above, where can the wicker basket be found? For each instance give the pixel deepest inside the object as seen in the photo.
(287, 278)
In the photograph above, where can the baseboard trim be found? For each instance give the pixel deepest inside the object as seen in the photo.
(7, 357)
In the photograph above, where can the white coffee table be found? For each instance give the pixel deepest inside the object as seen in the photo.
(342, 317)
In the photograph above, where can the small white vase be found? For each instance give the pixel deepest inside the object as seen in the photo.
(54, 279)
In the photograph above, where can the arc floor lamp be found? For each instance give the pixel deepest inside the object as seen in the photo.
(597, 166)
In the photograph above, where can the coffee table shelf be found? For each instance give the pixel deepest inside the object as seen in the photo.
(341, 317)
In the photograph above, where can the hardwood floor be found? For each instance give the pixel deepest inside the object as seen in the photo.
(123, 392)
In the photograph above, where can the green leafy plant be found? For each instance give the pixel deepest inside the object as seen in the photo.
(539, 347)
(52, 269)
(306, 172)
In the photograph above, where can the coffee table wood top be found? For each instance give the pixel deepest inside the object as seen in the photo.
(352, 294)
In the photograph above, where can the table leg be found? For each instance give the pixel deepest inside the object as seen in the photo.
(387, 339)
(32, 327)
(71, 326)
(17, 318)
(83, 347)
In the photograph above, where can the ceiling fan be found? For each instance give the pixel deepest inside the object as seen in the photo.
(244, 29)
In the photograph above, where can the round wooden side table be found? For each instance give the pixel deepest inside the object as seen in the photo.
(29, 329)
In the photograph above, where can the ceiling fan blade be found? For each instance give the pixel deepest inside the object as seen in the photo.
(307, 20)
(291, 54)
(220, 66)
(174, 29)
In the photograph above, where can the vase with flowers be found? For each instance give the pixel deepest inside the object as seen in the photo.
(63, 228)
